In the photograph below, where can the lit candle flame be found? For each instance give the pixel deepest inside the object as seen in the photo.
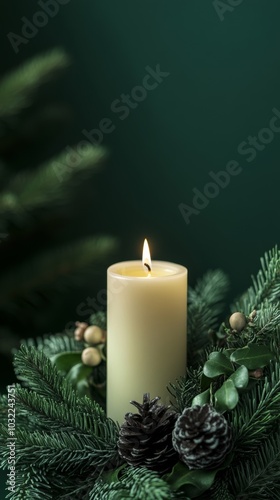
(146, 257)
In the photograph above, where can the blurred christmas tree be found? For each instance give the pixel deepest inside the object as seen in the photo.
(43, 250)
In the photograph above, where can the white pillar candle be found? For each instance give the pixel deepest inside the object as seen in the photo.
(146, 331)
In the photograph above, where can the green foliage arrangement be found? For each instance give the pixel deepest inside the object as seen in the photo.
(66, 447)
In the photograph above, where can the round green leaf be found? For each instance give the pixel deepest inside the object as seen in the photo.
(65, 360)
(112, 475)
(228, 352)
(193, 482)
(240, 377)
(202, 398)
(217, 364)
(78, 372)
(252, 356)
(83, 388)
(226, 398)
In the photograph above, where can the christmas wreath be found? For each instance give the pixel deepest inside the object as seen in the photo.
(219, 439)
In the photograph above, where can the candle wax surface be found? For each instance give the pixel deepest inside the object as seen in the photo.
(146, 332)
(135, 269)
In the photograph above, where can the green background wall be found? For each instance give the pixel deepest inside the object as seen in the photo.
(224, 82)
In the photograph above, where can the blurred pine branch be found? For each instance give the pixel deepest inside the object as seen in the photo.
(46, 249)
(55, 268)
(205, 306)
(52, 184)
(18, 88)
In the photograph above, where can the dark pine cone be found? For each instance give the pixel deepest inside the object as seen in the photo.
(145, 438)
(202, 437)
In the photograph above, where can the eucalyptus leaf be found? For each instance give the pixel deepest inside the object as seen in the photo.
(194, 482)
(202, 398)
(65, 360)
(217, 364)
(112, 475)
(78, 372)
(83, 388)
(228, 352)
(240, 377)
(252, 356)
(226, 398)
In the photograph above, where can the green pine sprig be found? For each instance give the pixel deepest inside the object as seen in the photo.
(18, 88)
(51, 184)
(185, 389)
(258, 476)
(138, 483)
(32, 483)
(63, 451)
(55, 407)
(54, 344)
(205, 304)
(54, 269)
(266, 284)
(69, 435)
(257, 413)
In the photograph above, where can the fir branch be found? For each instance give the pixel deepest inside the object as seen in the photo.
(211, 290)
(54, 344)
(115, 491)
(257, 413)
(3, 408)
(268, 326)
(51, 183)
(259, 476)
(18, 88)
(78, 486)
(138, 483)
(41, 376)
(55, 268)
(205, 306)
(185, 389)
(54, 405)
(266, 285)
(23, 419)
(64, 451)
(264, 329)
(47, 483)
(47, 414)
(99, 319)
(199, 319)
(267, 320)
(31, 483)
(220, 490)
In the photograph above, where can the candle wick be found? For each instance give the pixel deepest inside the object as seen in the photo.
(147, 266)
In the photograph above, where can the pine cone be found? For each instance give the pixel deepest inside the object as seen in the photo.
(145, 439)
(202, 437)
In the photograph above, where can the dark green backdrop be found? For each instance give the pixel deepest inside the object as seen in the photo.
(223, 83)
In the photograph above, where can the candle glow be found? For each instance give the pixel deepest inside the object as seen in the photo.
(146, 256)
